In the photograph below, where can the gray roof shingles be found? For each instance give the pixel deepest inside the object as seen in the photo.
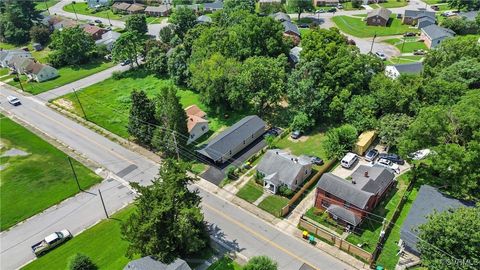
(413, 68)
(290, 27)
(416, 14)
(148, 263)
(434, 32)
(382, 12)
(343, 189)
(280, 163)
(344, 214)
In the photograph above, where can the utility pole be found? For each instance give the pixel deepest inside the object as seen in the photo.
(74, 174)
(46, 5)
(20, 82)
(73, 6)
(401, 50)
(176, 147)
(373, 40)
(103, 203)
(108, 17)
(81, 107)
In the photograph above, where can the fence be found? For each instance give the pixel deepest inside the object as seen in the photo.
(286, 209)
(331, 238)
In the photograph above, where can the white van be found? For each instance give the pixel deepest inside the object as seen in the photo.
(348, 160)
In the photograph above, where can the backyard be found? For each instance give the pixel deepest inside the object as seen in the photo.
(225, 263)
(82, 8)
(66, 74)
(357, 27)
(112, 113)
(42, 4)
(407, 45)
(102, 243)
(27, 188)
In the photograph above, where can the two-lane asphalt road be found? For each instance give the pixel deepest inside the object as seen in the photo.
(247, 233)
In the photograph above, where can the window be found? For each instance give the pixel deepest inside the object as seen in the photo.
(191, 136)
(325, 203)
(203, 128)
(346, 205)
(230, 152)
(244, 142)
(306, 171)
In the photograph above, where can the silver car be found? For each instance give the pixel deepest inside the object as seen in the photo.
(14, 100)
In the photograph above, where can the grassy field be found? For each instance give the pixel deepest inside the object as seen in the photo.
(32, 183)
(4, 71)
(372, 225)
(108, 103)
(411, 44)
(404, 59)
(225, 263)
(40, 4)
(309, 144)
(66, 75)
(102, 243)
(273, 204)
(391, 4)
(357, 27)
(82, 8)
(250, 192)
(7, 46)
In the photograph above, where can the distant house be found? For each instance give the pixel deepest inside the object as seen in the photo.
(469, 15)
(281, 17)
(120, 7)
(348, 201)
(135, 8)
(294, 55)
(58, 23)
(204, 19)
(233, 140)
(94, 31)
(280, 168)
(428, 201)
(40, 72)
(197, 123)
(420, 18)
(108, 39)
(433, 35)
(291, 30)
(269, 3)
(378, 17)
(330, 3)
(19, 64)
(97, 3)
(394, 71)
(149, 263)
(160, 11)
(214, 6)
(6, 56)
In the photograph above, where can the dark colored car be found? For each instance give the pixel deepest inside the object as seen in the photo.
(316, 160)
(124, 63)
(371, 154)
(435, 7)
(392, 157)
(272, 132)
(409, 34)
(332, 9)
(303, 25)
(296, 134)
(98, 21)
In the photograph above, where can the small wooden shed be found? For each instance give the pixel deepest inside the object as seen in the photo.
(364, 141)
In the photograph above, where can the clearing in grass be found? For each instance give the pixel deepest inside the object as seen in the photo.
(358, 28)
(407, 45)
(35, 174)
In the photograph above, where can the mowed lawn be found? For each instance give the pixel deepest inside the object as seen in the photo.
(250, 192)
(390, 4)
(273, 204)
(404, 59)
(82, 8)
(407, 45)
(358, 28)
(40, 4)
(225, 263)
(102, 243)
(108, 103)
(66, 75)
(32, 183)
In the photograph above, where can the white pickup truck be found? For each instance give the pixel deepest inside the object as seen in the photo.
(50, 242)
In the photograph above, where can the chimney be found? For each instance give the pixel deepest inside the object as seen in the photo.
(365, 173)
(191, 118)
(276, 152)
(353, 182)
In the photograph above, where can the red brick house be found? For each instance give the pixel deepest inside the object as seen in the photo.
(94, 31)
(378, 17)
(349, 201)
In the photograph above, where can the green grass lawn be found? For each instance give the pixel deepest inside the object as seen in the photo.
(250, 192)
(66, 75)
(151, 20)
(404, 59)
(32, 183)
(4, 71)
(324, 219)
(225, 263)
(357, 27)
(372, 225)
(433, 2)
(409, 46)
(102, 243)
(348, 6)
(273, 204)
(388, 257)
(7, 46)
(40, 4)
(108, 103)
(391, 4)
(82, 8)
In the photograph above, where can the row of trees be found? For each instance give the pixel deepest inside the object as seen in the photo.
(16, 20)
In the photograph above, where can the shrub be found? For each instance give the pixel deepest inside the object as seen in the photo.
(231, 172)
(40, 34)
(117, 75)
(285, 191)
(81, 262)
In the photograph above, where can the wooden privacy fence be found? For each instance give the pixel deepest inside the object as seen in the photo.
(286, 209)
(333, 239)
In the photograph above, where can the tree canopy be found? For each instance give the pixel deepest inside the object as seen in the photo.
(184, 19)
(261, 263)
(16, 19)
(72, 46)
(142, 121)
(137, 23)
(340, 140)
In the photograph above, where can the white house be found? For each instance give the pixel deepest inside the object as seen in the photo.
(394, 71)
(40, 72)
(97, 3)
(197, 123)
(6, 56)
(108, 39)
(280, 168)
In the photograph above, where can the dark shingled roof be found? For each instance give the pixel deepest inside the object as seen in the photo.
(281, 16)
(382, 12)
(434, 31)
(428, 200)
(416, 14)
(148, 263)
(343, 189)
(232, 137)
(213, 6)
(376, 181)
(283, 167)
(344, 214)
(291, 27)
(413, 68)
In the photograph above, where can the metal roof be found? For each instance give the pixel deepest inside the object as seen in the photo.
(344, 214)
(414, 68)
(284, 166)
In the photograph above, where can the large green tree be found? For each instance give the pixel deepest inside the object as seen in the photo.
(156, 61)
(167, 222)
(171, 135)
(361, 112)
(141, 121)
(339, 141)
(234, 5)
(177, 65)
(128, 46)
(464, 4)
(451, 240)
(16, 19)
(299, 6)
(260, 263)
(72, 46)
(322, 44)
(392, 126)
(184, 19)
(137, 23)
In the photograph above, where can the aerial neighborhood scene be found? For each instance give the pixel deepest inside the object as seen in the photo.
(240, 134)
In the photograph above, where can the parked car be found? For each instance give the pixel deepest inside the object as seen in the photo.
(419, 52)
(98, 21)
(448, 14)
(371, 155)
(316, 160)
(381, 56)
(332, 9)
(399, 15)
(50, 242)
(321, 11)
(296, 134)
(409, 34)
(388, 164)
(392, 157)
(420, 154)
(435, 7)
(14, 101)
(303, 25)
(124, 63)
(348, 160)
(340, 6)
